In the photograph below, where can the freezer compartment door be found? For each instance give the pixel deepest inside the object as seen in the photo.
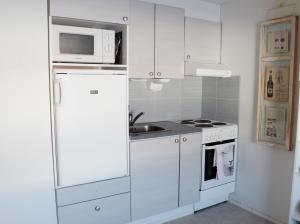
(91, 128)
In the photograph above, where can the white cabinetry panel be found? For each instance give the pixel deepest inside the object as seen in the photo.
(169, 42)
(111, 210)
(87, 192)
(154, 176)
(141, 39)
(190, 168)
(27, 192)
(156, 41)
(112, 11)
(202, 40)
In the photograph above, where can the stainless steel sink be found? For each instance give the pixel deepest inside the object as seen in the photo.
(139, 129)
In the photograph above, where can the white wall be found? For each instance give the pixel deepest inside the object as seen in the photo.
(194, 8)
(26, 169)
(264, 174)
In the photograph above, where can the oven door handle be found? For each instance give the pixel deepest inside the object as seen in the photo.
(210, 147)
(216, 146)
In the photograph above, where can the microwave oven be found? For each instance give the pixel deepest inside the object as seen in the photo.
(82, 45)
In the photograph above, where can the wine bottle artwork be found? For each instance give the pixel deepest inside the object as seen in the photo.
(270, 86)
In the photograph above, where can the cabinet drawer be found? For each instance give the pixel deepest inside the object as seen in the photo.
(112, 210)
(87, 192)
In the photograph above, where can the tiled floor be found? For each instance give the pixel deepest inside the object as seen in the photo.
(225, 213)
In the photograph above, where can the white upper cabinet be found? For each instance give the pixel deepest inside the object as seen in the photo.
(202, 40)
(113, 11)
(169, 42)
(141, 32)
(156, 41)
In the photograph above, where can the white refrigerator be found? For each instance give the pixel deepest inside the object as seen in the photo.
(90, 126)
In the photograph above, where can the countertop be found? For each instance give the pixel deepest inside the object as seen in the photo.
(172, 128)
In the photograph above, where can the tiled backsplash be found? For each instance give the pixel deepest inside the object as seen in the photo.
(221, 99)
(192, 97)
(179, 99)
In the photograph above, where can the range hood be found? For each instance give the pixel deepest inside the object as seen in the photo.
(193, 68)
(213, 70)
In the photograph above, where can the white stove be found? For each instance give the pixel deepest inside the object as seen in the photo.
(218, 160)
(213, 131)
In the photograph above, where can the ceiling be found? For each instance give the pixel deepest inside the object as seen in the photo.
(216, 1)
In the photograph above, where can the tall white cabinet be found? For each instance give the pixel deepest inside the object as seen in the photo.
(156, 41)
(26, 168)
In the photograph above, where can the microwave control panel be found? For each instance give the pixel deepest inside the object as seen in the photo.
(108, 46)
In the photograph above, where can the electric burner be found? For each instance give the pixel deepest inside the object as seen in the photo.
(187, 122)
(219, 123)
(204, 126)
(203, 121)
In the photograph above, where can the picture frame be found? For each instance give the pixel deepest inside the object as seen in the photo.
(277, 82)
(273, 127)
(278, 41)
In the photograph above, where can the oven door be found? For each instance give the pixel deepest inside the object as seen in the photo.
(76, 44)
(218, 164)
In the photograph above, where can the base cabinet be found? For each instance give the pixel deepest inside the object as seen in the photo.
(154, 176)
(112, 210)
(190, 168)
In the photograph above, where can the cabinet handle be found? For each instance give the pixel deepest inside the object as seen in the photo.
(188, 56)
(184, 139)
(97, 208)
(176, 140)
(158, 74)
(125, 18)
(151, 73)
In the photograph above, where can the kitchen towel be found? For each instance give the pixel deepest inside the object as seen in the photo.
(224, 160)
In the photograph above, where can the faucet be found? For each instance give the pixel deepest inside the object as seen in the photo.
(132, 119)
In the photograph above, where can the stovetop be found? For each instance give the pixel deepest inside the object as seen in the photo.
(213, 131)
(203, 123)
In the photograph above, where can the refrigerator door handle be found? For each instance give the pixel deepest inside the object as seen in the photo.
(57, 92)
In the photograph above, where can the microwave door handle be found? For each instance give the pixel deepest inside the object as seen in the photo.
(57, 92)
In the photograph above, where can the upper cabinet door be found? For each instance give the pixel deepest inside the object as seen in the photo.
(114, 11)
(141, 40)
(169, 42)
(202, 40)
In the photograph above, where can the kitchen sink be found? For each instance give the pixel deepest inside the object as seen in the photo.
(141, 129)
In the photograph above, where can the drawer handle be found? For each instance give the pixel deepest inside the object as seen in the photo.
(184, 139)
(97, 208)
(176, 140)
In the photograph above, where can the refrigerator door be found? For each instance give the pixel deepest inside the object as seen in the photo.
(91, 128)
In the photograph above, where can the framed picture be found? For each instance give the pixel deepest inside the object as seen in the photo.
(278, 41)
(277, 83)
(274, 125)
(277, 79)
